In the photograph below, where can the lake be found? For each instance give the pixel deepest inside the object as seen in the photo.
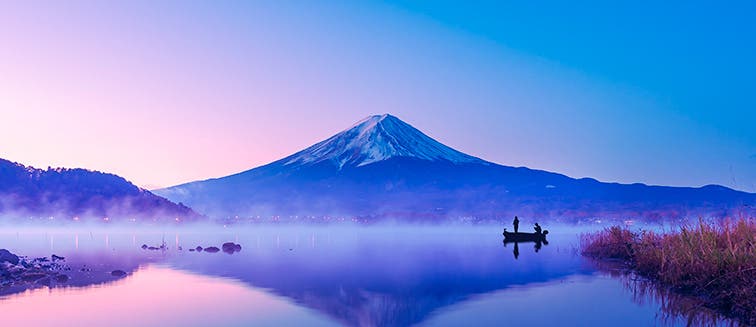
(289, 275)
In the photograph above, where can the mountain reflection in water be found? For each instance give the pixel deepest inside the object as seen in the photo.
(366, 276)
(382, 278)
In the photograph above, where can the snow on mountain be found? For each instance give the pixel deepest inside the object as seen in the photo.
(377, 138)
(383, 167)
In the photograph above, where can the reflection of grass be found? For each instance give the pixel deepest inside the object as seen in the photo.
(674, 307)
(714, 261)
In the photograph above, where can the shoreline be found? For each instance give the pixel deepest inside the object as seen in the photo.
(714, 262)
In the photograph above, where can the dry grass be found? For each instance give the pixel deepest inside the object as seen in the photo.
(716, 261)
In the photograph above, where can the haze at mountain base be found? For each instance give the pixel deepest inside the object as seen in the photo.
(73, 194)
(383, 167)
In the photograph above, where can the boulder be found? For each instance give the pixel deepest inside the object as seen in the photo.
(62, 278)
(44, 281)
(212, 249)
(231, 247)
(228, 247)
(6, 256)
(33, 276)
(118, 273)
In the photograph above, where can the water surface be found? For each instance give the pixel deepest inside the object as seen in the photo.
(329, 275)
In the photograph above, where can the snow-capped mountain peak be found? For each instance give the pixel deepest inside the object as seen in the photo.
(377, 138)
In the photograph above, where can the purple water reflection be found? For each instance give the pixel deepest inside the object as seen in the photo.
(375, 276)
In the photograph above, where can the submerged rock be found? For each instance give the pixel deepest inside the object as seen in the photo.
(44, 281)
(118, 273)
(30, 273)
(199, 249)
(7, 256)
(62, 278)
(212, 249)
(33, 276)
(154, 248)
(231, 247)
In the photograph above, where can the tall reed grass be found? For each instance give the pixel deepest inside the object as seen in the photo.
(715, 261)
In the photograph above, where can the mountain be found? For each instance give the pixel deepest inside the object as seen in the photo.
(384, 167)
(376, 139)
(67, 193)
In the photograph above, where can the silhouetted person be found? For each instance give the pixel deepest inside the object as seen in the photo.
(516, 251)
(537, 228)
(537, 246)
(516, 224)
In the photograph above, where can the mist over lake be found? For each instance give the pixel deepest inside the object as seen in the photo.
(392, 275)
(377, 163)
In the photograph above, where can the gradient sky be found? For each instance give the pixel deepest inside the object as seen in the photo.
(165, 92)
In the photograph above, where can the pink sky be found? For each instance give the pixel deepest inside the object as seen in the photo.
(167, 93)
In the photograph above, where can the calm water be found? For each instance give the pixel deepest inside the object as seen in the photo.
(334, 275)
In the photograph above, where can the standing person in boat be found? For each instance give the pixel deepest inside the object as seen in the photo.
(537, 228)
(516, 224)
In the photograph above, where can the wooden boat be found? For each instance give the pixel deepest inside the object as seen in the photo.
(525, 237)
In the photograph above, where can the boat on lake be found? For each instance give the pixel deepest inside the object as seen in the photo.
(524, 237)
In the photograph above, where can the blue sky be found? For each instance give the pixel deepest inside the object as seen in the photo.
(693, 61)
(660, 93)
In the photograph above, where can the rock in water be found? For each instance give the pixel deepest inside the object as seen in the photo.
(212, 249)
(33, 276)
(118, 273)
(231, 247)
(6, 256)
(44, 281)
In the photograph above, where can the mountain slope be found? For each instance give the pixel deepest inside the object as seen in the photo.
(67, 193)
(383, 167)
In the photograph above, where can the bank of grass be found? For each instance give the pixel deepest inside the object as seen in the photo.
(715, 261)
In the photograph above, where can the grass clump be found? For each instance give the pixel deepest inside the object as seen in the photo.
(715, 261)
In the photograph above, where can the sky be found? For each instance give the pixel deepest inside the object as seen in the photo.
(167, 92)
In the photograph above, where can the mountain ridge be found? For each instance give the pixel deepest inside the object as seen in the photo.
(363, 171)
(77, 193)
